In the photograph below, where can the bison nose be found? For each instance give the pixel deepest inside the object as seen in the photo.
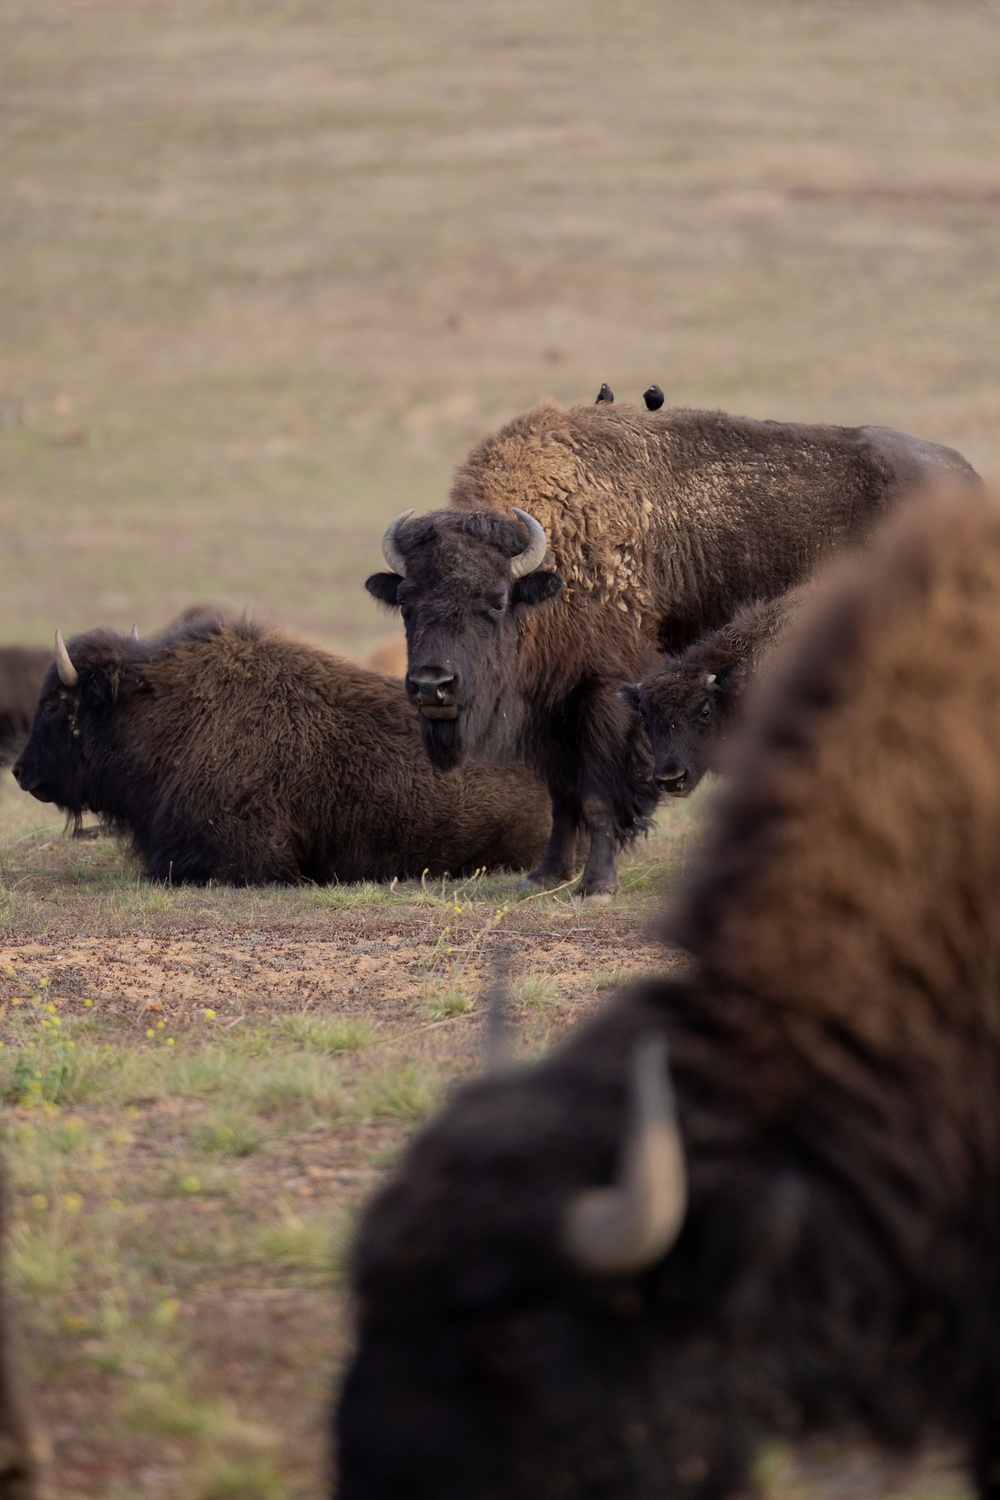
(435, 691)
(17, 771)
(673, 781)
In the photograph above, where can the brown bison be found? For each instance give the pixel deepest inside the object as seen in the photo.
(229, 751)
(569, 1289)
(692, 700)
(577, 544)
(22, 672)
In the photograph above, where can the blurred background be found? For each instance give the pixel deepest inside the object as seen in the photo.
(268, 269)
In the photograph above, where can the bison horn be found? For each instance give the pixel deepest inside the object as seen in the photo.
(134, 633)
(68, 675)
(534, 553)
(390, 551)
(629, 1226)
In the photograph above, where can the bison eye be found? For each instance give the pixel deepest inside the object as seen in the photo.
(705, 713)
(496, 604)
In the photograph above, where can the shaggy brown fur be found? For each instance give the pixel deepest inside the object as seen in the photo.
(692, 700)
(835, 1058)
(22, 672)
(230, 751)
(661, 524)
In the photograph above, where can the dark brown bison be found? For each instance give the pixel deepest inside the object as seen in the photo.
(229, 751)
(22, 672)
(577, 544)
(692, 700)
(570, 1290)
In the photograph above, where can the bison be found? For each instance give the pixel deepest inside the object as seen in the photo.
(581, 1284)
(227, 750)
(22, 672)
(579, 542)
(692, 700)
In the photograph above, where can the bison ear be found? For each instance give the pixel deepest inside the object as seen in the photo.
(105, 685)
(535, 588)
(632, 693)
(385, 588)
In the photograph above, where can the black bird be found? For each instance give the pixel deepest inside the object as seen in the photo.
(653, 398)
(605, 394)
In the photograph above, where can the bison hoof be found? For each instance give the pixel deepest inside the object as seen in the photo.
(594, 898)
(546, 880)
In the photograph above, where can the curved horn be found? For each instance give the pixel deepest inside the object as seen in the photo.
(134, 633)
(391, 553)
(534, 553)
(631, 1225)
(68, 675)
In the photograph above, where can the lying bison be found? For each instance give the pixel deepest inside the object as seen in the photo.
(568, 1290)
(692, 700)
(229, 751)
(22, 672)
(580, 542)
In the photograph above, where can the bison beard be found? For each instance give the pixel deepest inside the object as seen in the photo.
(660, 525)
(835, 1057)
(224, 750)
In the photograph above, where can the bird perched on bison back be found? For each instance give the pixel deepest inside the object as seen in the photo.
(568, 1290)
(227, 750)
(653, 397)
(604, 394)
(576, 545)
(692, 700)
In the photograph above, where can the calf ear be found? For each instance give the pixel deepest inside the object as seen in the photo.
(385, 588)
(632, 693)
(535, 588)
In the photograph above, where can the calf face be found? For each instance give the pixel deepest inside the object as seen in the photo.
(682, 708)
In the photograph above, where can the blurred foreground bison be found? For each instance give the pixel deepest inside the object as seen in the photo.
(22, 672)
(692, 700)
(657, 526)
(229, 751)
(569, 1291)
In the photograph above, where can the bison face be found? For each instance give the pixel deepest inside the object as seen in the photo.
(679, 709)
(462, 582)
(67, 748)
(51, 766)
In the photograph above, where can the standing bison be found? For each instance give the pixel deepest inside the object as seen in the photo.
(228, 751)
(692, 700)
(576, 544)
(569, 1289)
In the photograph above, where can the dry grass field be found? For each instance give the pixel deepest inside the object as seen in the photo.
(266, 270)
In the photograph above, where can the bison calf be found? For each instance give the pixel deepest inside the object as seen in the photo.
(229, 751)
(568, 1289)
(693, 699)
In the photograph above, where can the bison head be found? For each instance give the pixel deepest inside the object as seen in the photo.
(680, 705)
(62, 760)
(462, 581)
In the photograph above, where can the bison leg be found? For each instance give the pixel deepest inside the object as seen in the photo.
(559, 860)
(600, 874)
